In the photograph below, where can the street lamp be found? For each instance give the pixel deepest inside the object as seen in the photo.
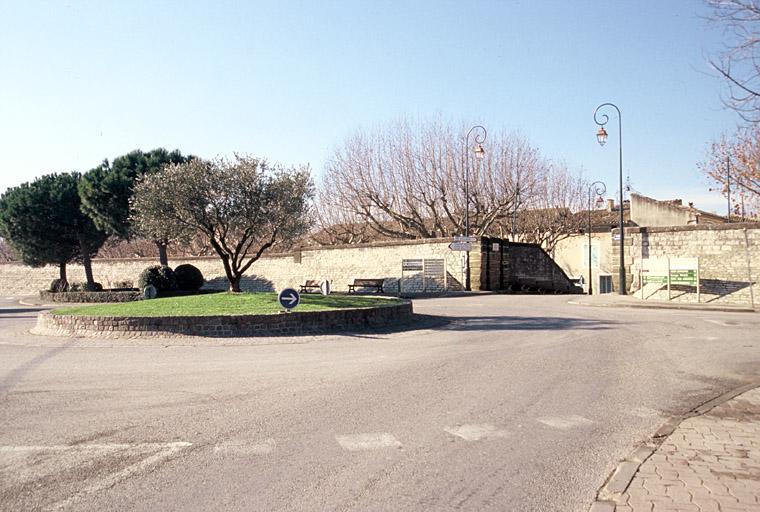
(601, 137)
(480, 153)
(599, 189)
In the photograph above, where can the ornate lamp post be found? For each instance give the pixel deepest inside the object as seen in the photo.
(599, 189)
(480, 138)
(601, 137)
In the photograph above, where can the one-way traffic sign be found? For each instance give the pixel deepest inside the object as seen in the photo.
(289, 298)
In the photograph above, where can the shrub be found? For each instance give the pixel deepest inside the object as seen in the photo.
(122, 285)
(160, 276)
(95, 287)
(189, 278)
(59, 285)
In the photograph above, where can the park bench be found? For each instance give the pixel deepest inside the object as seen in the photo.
(310, 284)
(377, 284)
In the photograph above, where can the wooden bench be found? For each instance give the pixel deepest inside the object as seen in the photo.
(377, 284)
(310, 284)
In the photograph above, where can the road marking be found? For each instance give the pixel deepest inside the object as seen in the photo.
(566, 422)
(721, 322)
(475, 432)
(164, 451)
(244, 449)
(92, 447)
(645, 412)
(373, 441)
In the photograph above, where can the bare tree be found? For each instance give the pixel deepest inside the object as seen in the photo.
(550, 211)
(243, 206)
(734, 162)
(407, 181)
(739, 61)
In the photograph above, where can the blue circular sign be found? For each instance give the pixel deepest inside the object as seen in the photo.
(289, 298)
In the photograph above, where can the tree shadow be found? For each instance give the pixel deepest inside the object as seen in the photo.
(517, 323)
(6, 312)
(247, 284)
(17, 374)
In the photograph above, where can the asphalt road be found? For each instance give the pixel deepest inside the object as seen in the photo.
(520, 403)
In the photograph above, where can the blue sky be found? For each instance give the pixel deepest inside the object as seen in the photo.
(83, 81)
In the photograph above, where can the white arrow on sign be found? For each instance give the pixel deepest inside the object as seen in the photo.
(289, 298)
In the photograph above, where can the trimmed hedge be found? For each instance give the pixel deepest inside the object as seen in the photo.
(104, 296)
(160, 276)
(189, 277)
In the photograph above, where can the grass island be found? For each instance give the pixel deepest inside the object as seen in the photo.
(225, 303)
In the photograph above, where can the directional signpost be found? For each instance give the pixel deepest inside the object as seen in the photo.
(289, 298)
(460, 246)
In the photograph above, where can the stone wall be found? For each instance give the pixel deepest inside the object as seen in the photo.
(511, 266)
(571, 254)
(338, 264)
(306, 322)
(729, 259)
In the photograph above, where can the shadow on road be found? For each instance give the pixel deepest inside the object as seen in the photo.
(518, 323)
(4, 312)
(17, 374)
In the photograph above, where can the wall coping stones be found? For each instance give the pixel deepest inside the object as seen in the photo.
(284, 324)
(691, 227)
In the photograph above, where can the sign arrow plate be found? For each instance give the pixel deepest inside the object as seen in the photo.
(460, 246)
(289, 298)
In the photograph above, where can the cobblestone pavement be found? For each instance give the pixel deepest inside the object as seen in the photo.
(709, 463)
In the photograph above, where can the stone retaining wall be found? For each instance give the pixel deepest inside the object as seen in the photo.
(284, 324)
(338, 264)
(729, 259)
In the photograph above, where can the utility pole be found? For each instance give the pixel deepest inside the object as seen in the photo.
(728, 186)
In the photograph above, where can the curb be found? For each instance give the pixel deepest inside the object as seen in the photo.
(681, 307)
(620, 478)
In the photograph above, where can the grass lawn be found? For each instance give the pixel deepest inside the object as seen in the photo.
(224, 303)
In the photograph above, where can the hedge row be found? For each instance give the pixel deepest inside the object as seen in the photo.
(104, 296)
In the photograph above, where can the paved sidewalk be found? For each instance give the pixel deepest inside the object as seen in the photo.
(629, 301)
(709, 463)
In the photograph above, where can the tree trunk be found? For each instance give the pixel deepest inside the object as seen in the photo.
(163, 258)
(235, 284)
(62, 272)
(86, 263)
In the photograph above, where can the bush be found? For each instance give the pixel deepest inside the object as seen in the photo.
(59, 285)
(96, 287)
(189, 278)
(160, 276)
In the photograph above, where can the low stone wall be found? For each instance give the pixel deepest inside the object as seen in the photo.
(284, 324)
(90, 297)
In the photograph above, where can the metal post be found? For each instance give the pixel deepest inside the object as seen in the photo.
(728, 187)
(601, 121)
(600, 190)
(478, 140)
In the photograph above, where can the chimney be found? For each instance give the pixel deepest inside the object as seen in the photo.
(610, 205)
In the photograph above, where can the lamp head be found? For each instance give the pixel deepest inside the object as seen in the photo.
(601, 136)
(480, 153)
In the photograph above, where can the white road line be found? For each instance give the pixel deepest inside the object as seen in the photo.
(92, 447)
(373, 441)
(566, 422)
(475, 432)
(242, 448)
(644, 412)
(164, 452)
(721, 322)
